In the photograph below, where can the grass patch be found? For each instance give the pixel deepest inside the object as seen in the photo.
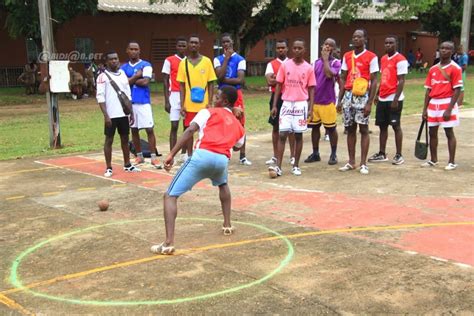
(24, 123)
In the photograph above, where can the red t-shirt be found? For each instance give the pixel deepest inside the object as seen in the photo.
(273, 68)
(366, 63)
(441, 87)
(219, 131)
(170, 67)
(391, 68)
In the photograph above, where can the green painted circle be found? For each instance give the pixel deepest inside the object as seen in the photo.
(16, 282)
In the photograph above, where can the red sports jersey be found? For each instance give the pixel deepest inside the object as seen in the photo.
(391, 67)
(439, 85)
(219, 130)
(170, 67)
(365, 64)
(276, 63)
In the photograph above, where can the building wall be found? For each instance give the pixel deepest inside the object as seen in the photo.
(112, 31)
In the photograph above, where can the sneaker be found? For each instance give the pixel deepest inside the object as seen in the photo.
(364, 169)
(108, 173)
(156, 163)
(131, 168)
(292, 161)
(161, 249)
(332, 160)
(326, 138)
(428, 164)
(398, 160)
(272, 161)
(346, 167)
(274, 171)
(244, 161)
(312, 158)
(139, 160)
(378, 157)
(450, 166)
(296, 171)
(182, 158)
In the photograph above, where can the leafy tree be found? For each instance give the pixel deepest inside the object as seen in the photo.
(22, 16)
(444, 17)
(251, 20)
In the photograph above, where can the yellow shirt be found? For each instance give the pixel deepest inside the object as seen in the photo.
(200, 75)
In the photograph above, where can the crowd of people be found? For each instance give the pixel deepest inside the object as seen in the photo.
(303, 96)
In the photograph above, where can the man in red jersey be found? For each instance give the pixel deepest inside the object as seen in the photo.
(393, 68)
(359, 70)
(171, 90)
(443, 87)
(219, 132)
(270, 74)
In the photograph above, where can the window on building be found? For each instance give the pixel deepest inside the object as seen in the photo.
(161, 48)
(31, 50)
(217, 47)
(270, 47)
(85, 47)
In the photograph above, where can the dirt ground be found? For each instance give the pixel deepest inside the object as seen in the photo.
(397, 241)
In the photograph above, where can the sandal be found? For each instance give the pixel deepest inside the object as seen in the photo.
(227, 231)
(347, 167)
(161, 249)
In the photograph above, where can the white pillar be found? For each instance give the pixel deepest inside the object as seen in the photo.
(466, 24)
(315, 6)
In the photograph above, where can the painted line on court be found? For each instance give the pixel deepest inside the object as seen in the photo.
(51, 193)
(232, 244)
(18, 197)
(44, 168)
(14, 305)
(87, 189)
(15, 280)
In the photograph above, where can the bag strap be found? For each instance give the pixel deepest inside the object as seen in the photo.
(424, 126)
(187, 75)
(113, 83)
(444, 73)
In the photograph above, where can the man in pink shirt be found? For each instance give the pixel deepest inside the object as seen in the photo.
(219, 133)
(296, 79)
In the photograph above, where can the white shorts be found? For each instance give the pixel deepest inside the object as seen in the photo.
(293, 116)
(175, 102)
(143, 116)
(436, 109)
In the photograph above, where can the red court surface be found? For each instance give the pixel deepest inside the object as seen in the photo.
(330, 210)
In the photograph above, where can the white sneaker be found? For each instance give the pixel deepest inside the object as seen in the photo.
(364, 169)
(428, 164)
(326, 138)
(296, 171)
(272, 161)
(450, 166)
(108, 173)
(132, 168)
(182, 158)
(292, 161)
(244, 161)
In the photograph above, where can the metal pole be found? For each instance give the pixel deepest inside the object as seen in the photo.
(48, 48)
(466, 24)
(315, 5)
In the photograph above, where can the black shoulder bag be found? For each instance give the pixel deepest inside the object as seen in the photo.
(421, 149)
(124, 100)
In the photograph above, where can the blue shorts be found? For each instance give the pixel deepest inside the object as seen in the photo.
(203, 164)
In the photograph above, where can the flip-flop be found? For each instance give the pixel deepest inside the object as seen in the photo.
(161, 249)
(227, 231)
(347, 167)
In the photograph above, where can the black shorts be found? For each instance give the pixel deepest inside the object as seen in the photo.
(121, 124)
(385, 116)
(275, 120)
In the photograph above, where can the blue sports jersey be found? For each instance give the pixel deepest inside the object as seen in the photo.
(140, 95)
(232, 67)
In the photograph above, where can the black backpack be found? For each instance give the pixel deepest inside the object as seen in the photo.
(145, 149)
